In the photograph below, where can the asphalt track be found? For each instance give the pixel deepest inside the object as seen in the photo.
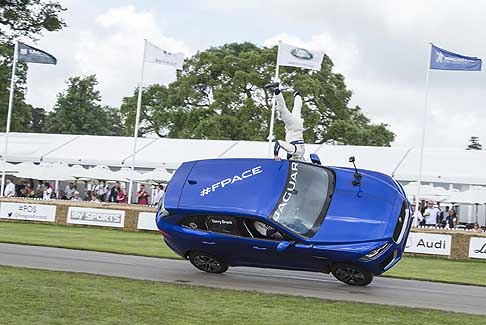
(448, 297)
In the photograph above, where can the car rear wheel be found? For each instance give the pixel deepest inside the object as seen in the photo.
(352, 274)
(208, 263)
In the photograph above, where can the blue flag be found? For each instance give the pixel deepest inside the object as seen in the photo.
(441, 59)
(27, 53)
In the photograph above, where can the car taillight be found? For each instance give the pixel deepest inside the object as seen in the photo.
(161, 211)
(165, 234)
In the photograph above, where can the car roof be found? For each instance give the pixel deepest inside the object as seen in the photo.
(227, 186)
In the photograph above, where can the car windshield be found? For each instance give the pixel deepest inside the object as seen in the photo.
(305, 198)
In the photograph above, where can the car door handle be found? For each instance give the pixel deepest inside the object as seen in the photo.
(260, 248)
(209, 242)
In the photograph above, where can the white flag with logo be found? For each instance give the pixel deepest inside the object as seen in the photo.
(154, 54)
(294, 56)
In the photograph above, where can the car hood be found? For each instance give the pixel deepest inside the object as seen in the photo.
(233, 186)
(359, 213)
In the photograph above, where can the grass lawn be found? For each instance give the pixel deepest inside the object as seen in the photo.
(440, 270)
(151, 244)
(48, 297)
(95, 239)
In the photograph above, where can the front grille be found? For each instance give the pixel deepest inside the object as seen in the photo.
(400, 221)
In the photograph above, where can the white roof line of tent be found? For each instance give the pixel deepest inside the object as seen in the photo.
(318, 148)
(228, 149)
(75, 137)
(400, 162)
(140, 149)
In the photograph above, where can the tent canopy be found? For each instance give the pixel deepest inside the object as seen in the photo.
(158, 175)
(45, 171)
(440, 165)
(427, 192)
(475, 195)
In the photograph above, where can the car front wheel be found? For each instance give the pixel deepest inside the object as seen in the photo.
(208, 263)
(352, 274)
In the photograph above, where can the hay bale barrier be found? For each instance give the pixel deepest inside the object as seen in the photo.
(126, 217)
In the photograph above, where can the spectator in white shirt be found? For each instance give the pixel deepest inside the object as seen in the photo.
(47, 193)
(9, 189)
(431, 214)
(158, 195)
(418, 217)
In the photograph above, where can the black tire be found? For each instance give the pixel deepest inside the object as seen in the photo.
(207, 262)
(352, 274)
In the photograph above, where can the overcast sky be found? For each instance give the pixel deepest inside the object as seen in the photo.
(381, 47)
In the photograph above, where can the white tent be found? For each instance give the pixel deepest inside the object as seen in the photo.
(427, 192)
(48, 172)
(158, 175)
(10, 169)
(475, 195)
(444, 166)
(77, 170)
(99, 172)
(125, 173)
(450, 166)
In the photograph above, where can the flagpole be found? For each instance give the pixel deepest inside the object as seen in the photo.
(422, 143)
(137, 118)
(274, 101)
(9, 115)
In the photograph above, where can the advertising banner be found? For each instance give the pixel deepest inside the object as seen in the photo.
(96, 217)
(146, 221)
(477, 247)
(28, 211)
(423, 243)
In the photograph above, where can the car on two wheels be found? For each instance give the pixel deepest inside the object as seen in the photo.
(285, 214)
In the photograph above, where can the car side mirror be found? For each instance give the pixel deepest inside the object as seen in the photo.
(315, 159)
(283, 245)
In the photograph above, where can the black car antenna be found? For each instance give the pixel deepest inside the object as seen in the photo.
(357, 174)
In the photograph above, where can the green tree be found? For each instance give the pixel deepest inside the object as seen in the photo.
(21, 113)
(28, 19)
(78, 111)
(38, 120)
(220, 95)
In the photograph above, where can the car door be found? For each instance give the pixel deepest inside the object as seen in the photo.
(239, 241)
(222, 236)
(264, 248)
(304, 256)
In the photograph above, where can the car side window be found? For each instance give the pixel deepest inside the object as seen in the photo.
(236, 226)
(223, 224)
(261, 230)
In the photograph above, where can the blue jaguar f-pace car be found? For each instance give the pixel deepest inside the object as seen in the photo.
(285, 214)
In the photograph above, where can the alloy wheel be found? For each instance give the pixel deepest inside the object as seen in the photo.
(207, 264)
(350, 275)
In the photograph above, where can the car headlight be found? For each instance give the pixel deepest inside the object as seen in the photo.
(377, 251)
(161, 211)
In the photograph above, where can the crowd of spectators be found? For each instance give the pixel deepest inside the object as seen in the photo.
(432, 215)
(100, 192)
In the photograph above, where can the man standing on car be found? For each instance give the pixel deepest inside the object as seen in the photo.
(294, 125)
